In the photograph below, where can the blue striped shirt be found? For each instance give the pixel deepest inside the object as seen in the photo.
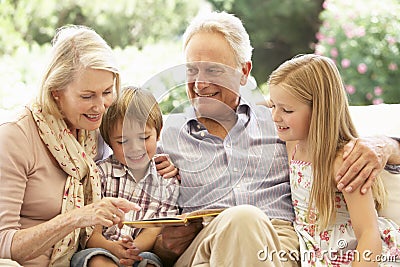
(249, 166)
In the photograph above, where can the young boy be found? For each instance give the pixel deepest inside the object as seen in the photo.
(131, 127)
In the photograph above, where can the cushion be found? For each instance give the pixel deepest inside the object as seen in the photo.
(375, 120)
(392, 185)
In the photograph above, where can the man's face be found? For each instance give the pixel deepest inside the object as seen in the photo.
(213, 76)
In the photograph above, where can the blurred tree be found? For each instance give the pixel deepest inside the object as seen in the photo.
(12, 19)
(278, 29)
(121, 23)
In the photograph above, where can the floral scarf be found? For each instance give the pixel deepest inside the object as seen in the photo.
(82, 187)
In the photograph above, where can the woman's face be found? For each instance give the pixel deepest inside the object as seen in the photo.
(85, 100)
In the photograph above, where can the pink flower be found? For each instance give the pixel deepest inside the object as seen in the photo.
(350, 89)
(360, 32)
(387, 240)
(392, 66)
(386, 231)
(377, 101)
(349, 33)
(345, 63)
(334, 52)
(331, 40)
(378, 91)
(319, 49)
(391, 40)
(319, 36)
(324, 236)
(369, 96)
(394, 251)
(362, 68)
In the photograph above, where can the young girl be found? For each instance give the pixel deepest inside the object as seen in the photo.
(310, 110)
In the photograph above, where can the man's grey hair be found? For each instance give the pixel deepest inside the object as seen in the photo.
(226, 24)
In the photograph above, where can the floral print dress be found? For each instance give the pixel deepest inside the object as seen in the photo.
(336, 245)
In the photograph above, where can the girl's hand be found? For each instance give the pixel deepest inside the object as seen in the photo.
(106, 212)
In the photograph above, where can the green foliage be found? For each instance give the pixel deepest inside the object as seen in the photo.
(137, 30)
(278, 29)
(20, 75)
(121, 23)
(365, 46)
(10, 36)
(175, 101)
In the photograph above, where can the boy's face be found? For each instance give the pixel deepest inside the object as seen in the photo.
(133, 144)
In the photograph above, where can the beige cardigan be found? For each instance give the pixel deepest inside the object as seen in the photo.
(31, 183)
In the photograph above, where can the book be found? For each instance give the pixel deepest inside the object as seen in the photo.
(205, 215)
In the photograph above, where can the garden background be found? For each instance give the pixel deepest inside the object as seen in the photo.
(361, 36)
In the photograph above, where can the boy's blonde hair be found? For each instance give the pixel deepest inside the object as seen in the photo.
(316, 81)
(134, 104)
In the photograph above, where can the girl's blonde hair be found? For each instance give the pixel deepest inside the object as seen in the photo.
(134, 104)
(75, 48)
(316, 81)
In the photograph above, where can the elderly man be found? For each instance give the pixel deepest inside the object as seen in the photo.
(229, 156)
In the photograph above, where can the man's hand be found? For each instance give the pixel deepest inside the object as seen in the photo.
(178, 238)
(165, 167)
(364, 159)
(174, 240)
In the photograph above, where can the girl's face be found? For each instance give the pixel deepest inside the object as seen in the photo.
(85, 100)
(292, 117)
(134, 145)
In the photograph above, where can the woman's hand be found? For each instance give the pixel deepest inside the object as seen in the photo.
(33, 241)
(106, 212)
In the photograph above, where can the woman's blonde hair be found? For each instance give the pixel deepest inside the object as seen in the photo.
(134, 104)
(75, 48)
(226, 24)
(316, 81)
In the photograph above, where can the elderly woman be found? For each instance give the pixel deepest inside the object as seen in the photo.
(50, 189)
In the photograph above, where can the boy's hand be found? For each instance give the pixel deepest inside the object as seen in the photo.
(128, 253)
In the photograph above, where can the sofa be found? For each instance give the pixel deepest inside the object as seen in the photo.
(376, 120)
(369, 120)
